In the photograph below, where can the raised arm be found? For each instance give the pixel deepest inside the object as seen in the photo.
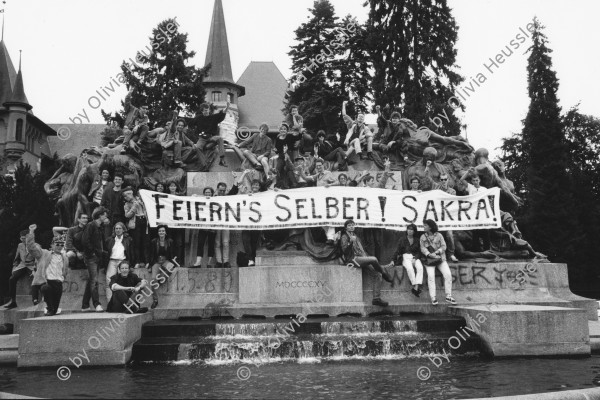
(32, 246)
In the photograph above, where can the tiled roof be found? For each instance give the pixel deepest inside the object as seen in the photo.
(8, 75)
(80, 137)
(265, 91)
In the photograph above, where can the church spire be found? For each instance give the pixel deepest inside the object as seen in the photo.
(217, 53)
(18, 93)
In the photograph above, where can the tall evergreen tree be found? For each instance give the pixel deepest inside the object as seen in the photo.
(549, 215)
(161, 76)
(412, 45)
(330, 65)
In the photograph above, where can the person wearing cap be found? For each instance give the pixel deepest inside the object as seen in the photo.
(23, 265)
(136, 124)
(137, 225)
(256, 149)
(52, 269)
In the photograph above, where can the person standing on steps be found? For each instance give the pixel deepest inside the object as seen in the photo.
(204, 236)
(433, 248)
(112, 200)
(353, 253)
(162, 250)
(52, 269)
(73, 246)
(222, 236)
(23, 265)
(93, 251)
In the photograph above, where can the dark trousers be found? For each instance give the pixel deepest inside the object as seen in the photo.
(203, 237)
(372, 266)
(137, 136)
(484, 235)
(250, 241)
(52, 291)
(372, 241)
(449, 239)
(336, 155)
(91, 289)
(141, 242)
(12, 282)
(118, 300)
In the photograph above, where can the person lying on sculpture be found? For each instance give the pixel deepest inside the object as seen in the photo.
(358, 134)
(136, 124)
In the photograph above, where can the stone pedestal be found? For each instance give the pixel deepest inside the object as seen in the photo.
(301, 284)
(79, 340)
(526, 330)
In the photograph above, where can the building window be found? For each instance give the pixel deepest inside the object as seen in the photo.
(230, 97)
(19, 131)
(216, 97)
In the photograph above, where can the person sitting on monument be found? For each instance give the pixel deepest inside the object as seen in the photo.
(73, 246)
(162, 251)
(302, 140)
(175, 139)
(207, 127)
(444, 186)
(100, 184)
(259, 150)
(353, 253)
(433, 248)
(136, 124)
(284, 142)
(297, 175)
(481, 237)
(125, 287)
(358, 134)
(119, 247)
(52, 269)
(326, 151)
(415, 184)
(408, 254)
(206, 236)
(390, 137)
(23, 265)
(323, 178)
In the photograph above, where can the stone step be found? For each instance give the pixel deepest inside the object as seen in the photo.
(340, 325)
(285, 347)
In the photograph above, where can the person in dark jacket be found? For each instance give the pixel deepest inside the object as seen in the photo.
(328, 152)
(408, 254)
(112, 199)
(93, 252)
(353, 253)
(99, 185)
(73, 246)
(162, 251)
(126, 287)
(119, 247)
(206, 126)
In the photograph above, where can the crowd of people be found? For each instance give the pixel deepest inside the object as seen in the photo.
(113, 233)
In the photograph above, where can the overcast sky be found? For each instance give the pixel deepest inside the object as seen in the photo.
(71, 48)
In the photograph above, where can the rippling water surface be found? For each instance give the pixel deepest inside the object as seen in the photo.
(349, 379)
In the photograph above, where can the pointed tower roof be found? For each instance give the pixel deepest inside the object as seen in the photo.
(18, 93)
(8, 75)
(217, 52)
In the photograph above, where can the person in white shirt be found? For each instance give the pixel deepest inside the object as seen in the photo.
(119, 249)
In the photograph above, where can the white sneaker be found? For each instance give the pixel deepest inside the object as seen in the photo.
(198, 262)
(99, 308)
(453, 258)
(58, 311)
(251, 263)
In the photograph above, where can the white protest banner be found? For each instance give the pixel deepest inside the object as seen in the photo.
(321, 206)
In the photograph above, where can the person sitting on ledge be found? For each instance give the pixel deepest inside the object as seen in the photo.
(408, 254)
(124, 286)
(358, 133)
(433, 248)
(353, 253)
(52, 269)
(136, 124)
(23, 265)
(326, 151)
(74, 247)
(260, 146)
(207, 127)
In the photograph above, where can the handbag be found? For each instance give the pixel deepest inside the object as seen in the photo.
(430, 261)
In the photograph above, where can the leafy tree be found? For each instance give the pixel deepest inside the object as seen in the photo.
(161, 76)
(23, 202)
(330, 65)
(412, 45)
